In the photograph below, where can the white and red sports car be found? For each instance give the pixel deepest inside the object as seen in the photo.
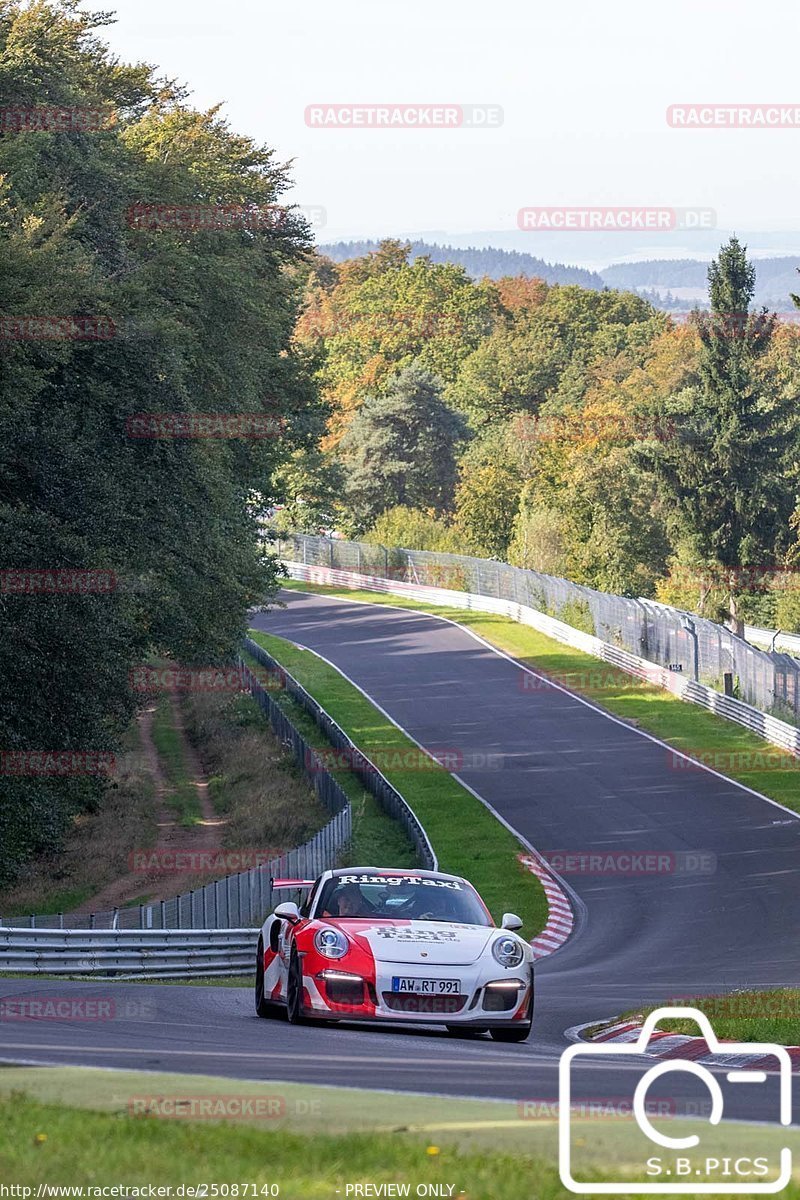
(381, 945)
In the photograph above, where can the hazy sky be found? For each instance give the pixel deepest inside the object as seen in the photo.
(584, 89)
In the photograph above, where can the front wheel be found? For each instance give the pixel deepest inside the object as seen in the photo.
(263, 1006)
(294, 991)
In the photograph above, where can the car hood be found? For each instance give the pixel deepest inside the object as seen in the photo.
(421, 943)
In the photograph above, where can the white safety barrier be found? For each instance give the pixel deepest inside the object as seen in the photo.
(129, 953)
(771, 729)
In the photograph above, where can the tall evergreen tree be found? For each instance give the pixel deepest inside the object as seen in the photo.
(401, 448)
(723, 471)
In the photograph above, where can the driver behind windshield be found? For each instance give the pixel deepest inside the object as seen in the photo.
(348, 901)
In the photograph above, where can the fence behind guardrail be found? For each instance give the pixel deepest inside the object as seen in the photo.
(683, 642)
(376, 784)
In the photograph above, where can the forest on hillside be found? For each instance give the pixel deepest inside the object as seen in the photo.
(580, 432)
(178, 362)
(148, 273)
(477, 261)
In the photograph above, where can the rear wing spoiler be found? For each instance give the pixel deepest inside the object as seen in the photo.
(293, 883)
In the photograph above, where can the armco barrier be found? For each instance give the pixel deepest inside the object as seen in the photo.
(129, 953)
(773, 730)
(376, 784)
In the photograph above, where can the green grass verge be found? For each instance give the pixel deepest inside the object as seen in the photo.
(73, 1126)
(467, 839)
(770, 1016)
(726, 747)
(181, 795)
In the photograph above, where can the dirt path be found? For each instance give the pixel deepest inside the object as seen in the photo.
(173, 838)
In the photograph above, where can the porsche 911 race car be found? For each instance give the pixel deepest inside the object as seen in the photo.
(382, 945)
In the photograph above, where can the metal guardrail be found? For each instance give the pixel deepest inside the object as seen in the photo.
(689, 645)
(355, 759)
(779, 733)
(129, 953)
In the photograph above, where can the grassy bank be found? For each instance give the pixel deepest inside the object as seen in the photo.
(181, 792)
(264, 798)
(70, 1126)
(97, 847)
(720, 744)
(468, 840)
(766, 1016)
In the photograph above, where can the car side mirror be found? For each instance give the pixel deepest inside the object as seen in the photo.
(288, 912)
(511, 921)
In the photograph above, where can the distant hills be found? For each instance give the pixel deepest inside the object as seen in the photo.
(479, 262)
(674, 284)
(776, 278)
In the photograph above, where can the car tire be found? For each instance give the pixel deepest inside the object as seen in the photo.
(294, 991)
(263, 1006)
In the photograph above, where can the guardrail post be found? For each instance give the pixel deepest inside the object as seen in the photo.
(163, 907)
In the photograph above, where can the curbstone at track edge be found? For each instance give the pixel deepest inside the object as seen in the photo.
(561, 919)
(673, 1045)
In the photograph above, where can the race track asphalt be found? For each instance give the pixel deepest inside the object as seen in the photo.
(567, 778)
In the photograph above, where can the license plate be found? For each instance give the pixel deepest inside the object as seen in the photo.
(426, 987)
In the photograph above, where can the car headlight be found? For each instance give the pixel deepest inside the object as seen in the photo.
(507, 951)
(331, 943)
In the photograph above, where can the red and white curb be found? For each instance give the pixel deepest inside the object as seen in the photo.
(677, 1045)
(561, 920)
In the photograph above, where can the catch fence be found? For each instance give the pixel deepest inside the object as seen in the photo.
(683, 642)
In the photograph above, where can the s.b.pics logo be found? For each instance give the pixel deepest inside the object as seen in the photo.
(682, 1156)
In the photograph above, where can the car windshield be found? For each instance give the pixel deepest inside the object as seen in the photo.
(401, 897)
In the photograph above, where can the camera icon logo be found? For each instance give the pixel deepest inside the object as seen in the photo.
(685, 1164)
